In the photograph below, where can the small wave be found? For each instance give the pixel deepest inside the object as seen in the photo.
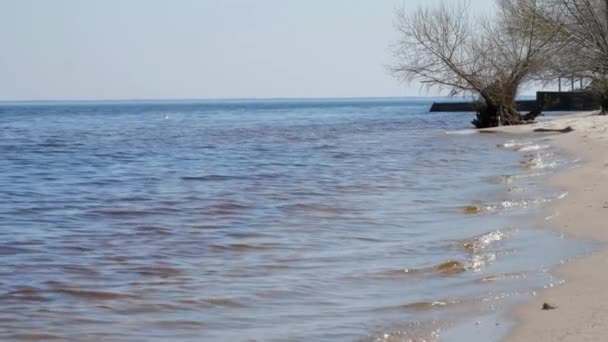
(506, 205)
(523, 146)
(538, 162)
(525, 203)
(149, 308)
(11, 250)
(508, 179)
(80, 270)
(205, 303)
(423, 306)
(273, 267)
(243, 234)
(502, 179)
(312, 207)
(224, 302)
(480, 261)
(399, 272)
(472, 209)
(451, 267)
(158, 271)
(26, 294)
(179, 325)
(418, 306)
(342, 155)
(476, 246)
(513, 144)
(35, 337)
(477, 259)
(413, 332)
(481, 242)
(152, 230)
(228, 207)
(504, 276)
(242, 247)
(92, 295)
(212, 178)
(324, 147)
(512, 204)
(54, 143)
(363, 238)
(445, 268)
(121, 213)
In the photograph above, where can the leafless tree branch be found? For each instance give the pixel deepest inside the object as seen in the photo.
(489, 58)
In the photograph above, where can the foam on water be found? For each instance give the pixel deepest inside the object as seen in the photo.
(463, 132)
(534, 147)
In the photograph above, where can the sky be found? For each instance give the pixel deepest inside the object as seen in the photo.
(199, 49)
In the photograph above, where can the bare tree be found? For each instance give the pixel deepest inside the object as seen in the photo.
(583, 36)
(489, 58)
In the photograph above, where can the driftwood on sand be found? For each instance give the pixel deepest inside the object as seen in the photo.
(554, 130)
(537, 130)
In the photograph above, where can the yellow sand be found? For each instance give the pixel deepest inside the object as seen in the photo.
(582, 302)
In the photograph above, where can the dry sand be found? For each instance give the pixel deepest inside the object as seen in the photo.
(581, 303)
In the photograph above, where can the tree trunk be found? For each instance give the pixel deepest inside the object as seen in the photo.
(492, 115)
(601, 91)
(606, 12)
(604, 103)
(510, 116)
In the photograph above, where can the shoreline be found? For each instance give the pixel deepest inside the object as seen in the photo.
(580, 313)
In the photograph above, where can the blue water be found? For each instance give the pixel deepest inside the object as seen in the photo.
(303, 220)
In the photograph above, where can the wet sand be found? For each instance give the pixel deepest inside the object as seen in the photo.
(580, 312)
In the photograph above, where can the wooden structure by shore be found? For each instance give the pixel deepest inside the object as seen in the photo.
(554, 101)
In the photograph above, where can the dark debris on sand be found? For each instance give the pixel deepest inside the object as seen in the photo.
(547, 306)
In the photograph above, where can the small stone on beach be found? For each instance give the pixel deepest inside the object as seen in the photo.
(548, 307)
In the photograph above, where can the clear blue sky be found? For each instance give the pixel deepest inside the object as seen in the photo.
(127, 49)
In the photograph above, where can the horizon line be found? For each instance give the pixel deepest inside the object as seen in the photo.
(89, 100)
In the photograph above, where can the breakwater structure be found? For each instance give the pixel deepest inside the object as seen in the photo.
(554, 101)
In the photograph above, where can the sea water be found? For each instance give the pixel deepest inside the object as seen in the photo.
(267, 220)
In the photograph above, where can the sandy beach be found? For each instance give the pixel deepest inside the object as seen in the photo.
(580, 313)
